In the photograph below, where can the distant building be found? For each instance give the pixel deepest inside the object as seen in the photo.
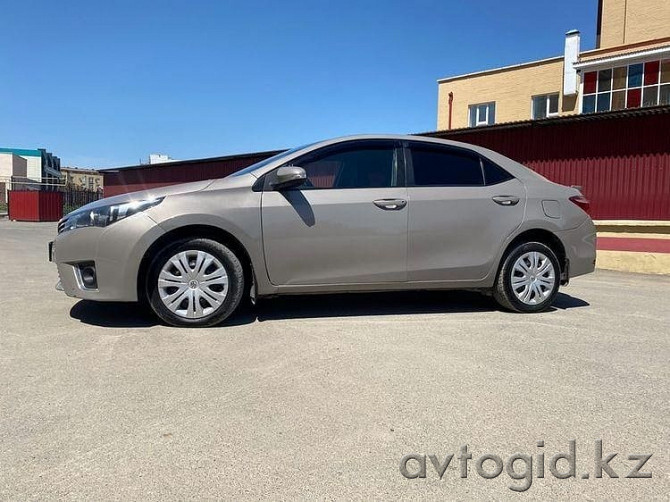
(159, 158)
(42, 166)
(629, 68)
(82, 179)
(13, 168)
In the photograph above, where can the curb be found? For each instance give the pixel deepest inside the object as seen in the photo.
(635, 262)
(633, 226)
(637, 246)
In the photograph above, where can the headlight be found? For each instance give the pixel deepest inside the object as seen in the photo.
(106, 215)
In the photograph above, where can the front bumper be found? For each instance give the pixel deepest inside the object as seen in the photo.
(116, 251)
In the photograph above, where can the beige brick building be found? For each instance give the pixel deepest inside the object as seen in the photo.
(623, 22)
(629, 68)
(82, 179)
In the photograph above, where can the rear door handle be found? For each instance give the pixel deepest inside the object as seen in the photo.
(506, 200)
(390, 204)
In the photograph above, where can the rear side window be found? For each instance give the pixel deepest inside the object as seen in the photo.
(443, 166)
(494, 174)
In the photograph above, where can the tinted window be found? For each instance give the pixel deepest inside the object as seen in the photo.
(494, 174)
(438, 166)
(368, 165)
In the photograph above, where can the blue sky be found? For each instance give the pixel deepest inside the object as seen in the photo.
(105, 83)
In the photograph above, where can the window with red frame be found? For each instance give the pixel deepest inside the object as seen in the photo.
(632, 86)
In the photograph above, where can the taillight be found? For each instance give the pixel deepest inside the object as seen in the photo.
(581, 201)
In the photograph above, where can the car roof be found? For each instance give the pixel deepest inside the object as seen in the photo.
(516, 169)
(396, 137)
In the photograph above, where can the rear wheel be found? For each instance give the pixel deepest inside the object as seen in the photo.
(197, 282)
(529, 278)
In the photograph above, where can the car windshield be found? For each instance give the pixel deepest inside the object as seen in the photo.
(267, 161)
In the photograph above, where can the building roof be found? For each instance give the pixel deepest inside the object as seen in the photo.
(518, 66)
(79, 170)
(267, 153)
(564, 119)
(642, 45)
(22, 152)
(634, 50)
(627, 57)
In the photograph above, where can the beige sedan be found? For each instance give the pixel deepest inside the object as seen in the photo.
(361, 213)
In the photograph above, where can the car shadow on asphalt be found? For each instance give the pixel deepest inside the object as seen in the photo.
(133, 315)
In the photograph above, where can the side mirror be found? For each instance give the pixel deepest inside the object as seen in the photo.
(288, 177)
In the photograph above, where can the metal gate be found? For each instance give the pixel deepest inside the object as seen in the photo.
(27, 200)
(35, 205)
(74, 199)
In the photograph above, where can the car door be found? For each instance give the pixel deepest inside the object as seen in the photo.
(347, 224)
(462, 208)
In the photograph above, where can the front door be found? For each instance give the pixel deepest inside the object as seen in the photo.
(346, 225)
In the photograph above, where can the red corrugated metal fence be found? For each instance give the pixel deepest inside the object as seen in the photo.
(132, 179)
(35, 205)
(621, 160)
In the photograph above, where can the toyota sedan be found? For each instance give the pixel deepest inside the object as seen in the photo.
(361, 213)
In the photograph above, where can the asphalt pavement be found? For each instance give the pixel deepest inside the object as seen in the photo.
(321, 397)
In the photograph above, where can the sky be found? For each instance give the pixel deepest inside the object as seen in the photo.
(106, 83)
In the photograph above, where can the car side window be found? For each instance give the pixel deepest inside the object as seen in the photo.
(444, 166)
(494, 174)
(370, 164)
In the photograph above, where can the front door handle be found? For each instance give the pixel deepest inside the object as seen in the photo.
(506, 200)
(390, 204)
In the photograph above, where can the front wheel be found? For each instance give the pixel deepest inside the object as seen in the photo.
(528, 279)
(196, 282)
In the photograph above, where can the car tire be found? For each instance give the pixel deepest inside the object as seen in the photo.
(195, 283)
(528, 279)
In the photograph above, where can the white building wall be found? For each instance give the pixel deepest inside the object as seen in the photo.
(11, 165)
(34, 167)
(159, 158)
(6, 165)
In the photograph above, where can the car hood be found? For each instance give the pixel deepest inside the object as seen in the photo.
(152, 193)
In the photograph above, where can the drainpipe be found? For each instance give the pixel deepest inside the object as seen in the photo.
(451, 101)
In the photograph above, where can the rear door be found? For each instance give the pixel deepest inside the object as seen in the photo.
(462, 208)
(346, 225)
